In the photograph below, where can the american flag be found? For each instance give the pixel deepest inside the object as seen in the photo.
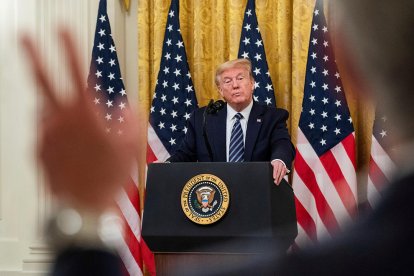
(252, 47)
(324, 179)
(174, 98)
(106, 83)
(381, 165)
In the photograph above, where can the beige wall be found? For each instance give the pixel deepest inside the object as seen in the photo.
(24, 204)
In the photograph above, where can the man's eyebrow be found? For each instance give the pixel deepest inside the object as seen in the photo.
(238, 75)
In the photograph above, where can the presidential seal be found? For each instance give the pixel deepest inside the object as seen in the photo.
(205, 199)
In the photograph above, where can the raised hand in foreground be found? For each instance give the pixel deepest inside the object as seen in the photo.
(84, 164)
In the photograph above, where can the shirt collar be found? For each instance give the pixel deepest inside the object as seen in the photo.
(245, 112)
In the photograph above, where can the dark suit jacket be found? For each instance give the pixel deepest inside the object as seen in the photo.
(88, 262)
(380, 244)
(267, 137)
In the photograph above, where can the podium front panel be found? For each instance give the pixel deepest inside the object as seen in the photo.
(259, 214)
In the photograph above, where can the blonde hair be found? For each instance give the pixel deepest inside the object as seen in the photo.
(236, 63)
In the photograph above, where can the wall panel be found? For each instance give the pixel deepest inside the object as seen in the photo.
(24, 201)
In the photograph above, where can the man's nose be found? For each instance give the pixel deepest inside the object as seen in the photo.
(235, 83)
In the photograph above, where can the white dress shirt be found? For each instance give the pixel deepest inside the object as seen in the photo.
(230, 122)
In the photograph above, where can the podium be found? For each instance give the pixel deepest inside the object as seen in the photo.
(259, 224)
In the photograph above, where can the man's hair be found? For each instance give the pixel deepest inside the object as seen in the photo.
(381, 37)
(236, 63)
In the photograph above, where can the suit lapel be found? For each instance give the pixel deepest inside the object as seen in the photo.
(218, 135)
(253, 127)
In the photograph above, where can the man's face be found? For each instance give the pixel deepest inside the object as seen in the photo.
(236, 88)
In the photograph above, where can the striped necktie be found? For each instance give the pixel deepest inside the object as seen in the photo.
(236, 150)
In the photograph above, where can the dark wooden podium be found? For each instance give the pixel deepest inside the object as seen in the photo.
(260, 222)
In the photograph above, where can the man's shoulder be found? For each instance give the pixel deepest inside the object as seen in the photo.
(199, 111)
(271, 110)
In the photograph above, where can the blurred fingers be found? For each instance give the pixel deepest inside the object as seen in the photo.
(75, 67)
(39, 72)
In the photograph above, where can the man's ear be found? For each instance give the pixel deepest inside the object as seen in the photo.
(252, 82)
(220, 91)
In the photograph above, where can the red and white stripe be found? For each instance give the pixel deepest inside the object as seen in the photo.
(133, 251)
(381, 169)
(155, 150)
(325, 189)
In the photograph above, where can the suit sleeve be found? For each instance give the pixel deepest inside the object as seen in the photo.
(281, 145)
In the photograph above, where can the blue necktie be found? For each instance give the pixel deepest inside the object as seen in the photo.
(236, 150)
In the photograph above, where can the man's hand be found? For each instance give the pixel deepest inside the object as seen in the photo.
(84, 164)
(279, 171)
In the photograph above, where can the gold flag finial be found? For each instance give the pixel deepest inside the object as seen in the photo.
(127, 3)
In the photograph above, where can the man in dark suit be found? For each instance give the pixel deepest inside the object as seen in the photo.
(264, 134)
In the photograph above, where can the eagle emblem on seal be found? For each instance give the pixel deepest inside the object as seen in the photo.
(205, 196)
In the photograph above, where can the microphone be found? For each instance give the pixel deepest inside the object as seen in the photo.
(212, 108)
